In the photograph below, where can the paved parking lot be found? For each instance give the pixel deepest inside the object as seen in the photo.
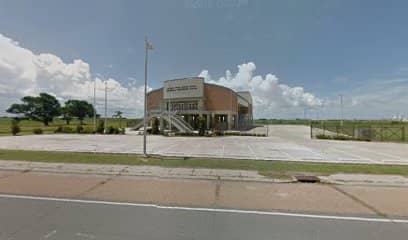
(290, 143)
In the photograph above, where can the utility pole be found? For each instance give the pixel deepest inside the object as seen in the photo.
(106, 107)
(341, 109)
(94, 105)
(147, 47)
(169, 109)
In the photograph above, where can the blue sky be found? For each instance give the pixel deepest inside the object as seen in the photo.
(327, 47)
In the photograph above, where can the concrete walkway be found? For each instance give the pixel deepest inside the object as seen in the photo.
(288, 143)
(141, 171)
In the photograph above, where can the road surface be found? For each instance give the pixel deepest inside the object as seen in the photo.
(32, 218)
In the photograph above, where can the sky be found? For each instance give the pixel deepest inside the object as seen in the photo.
(294, 56)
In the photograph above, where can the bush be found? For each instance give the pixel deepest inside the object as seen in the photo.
(79, 129)
(155, 126)
(101, 127)
(15, 128)
(322, 136)
(112, 130)
(201, 126)
(67, 130)
(58, 129)
(37, 131)
(88, 130)
(185, 134)
(341, 137)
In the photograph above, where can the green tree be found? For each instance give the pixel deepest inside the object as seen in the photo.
(79, 109)
(66, 115)
(42, 108)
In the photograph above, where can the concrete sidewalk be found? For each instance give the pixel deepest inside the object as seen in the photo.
(292, 197)
(141, 171)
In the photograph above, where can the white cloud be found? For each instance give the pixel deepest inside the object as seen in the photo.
(270, 97)
(378, 99)
(23, 72)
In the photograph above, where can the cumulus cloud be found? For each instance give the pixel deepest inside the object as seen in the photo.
(270, 97)
(23, 72)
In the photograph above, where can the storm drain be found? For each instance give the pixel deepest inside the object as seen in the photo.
(307, 179)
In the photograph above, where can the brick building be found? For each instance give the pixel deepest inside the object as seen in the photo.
(182, 101)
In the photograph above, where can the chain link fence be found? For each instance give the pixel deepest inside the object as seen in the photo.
(382, 133)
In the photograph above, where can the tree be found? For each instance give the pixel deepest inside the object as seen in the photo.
(118, 114)
(79, 109)
(42, 108)
(66, 115)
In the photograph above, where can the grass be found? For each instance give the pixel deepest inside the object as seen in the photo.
(27, 126)
(268, 168)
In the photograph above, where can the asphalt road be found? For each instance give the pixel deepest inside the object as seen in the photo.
(49, 219)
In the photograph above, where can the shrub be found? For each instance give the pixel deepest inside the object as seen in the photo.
(155, 126)
(322, 136)
(79, 129)
(37, 131)
(112, 130)
(67, 130)
(101, 127)
(88, 130)
(122, 131)
(15, 128)
(201, 126)
(58, 129)
(185, 134)
(341, 137)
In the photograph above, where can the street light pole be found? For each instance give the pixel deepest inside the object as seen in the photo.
(106, 107)
(169, 110)
(94, 105)
(147, 47)
(341, 109)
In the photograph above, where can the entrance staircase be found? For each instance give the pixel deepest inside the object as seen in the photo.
(176, 120)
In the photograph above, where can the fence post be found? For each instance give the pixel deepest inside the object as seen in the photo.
(381, 132)
(311, 130)
(337, 131)
(403, 133)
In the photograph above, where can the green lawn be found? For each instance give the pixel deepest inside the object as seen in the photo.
(269, 168)
(27, 126)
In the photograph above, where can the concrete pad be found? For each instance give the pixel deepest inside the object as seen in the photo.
(289, 143)
(366, 179)
(389, 200)
(287, 197)
(162, 191)
(45, 184)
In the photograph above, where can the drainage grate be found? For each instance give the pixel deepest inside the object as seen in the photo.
(307, 179)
